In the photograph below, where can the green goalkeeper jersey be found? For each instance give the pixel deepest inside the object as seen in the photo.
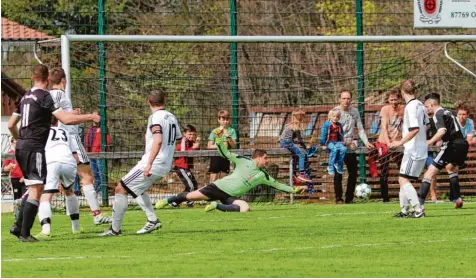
(245, 176)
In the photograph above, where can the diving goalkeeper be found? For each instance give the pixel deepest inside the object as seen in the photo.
(247, 174)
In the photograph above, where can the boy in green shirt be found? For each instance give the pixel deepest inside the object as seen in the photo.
(218, 164)
(247, 174)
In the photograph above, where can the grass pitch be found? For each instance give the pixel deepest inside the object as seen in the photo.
(360, 240)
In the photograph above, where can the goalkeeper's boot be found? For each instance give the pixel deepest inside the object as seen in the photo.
(212, 206)
(43, 236)
(150, 226)
(161, 204)
(111, 232)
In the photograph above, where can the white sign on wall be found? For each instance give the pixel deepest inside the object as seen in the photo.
(444, 13)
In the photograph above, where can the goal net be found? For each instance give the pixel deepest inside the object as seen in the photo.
(268, 83)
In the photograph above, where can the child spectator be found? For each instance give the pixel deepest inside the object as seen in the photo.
(16, 176)
(291, 139)
(184, 165)
(93, 142)
(332, 138)
(217, 163)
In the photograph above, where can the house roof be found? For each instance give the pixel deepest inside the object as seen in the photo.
(13, 31)
(11, 91)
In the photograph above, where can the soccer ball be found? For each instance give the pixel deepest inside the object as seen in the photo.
(363, 191)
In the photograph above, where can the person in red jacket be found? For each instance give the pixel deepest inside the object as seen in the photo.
(183, 165)
(16, 176)
(92, 143)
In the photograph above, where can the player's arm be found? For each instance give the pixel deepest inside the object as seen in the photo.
(68, 118)
(440, 126)
(156, 145)
(223, 151)
(414, 127)
(384, 123)
(270, 181)
(12, 125)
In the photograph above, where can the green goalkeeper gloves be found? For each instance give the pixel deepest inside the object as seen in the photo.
(299, 189)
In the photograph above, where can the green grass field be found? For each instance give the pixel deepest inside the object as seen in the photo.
(360, 240)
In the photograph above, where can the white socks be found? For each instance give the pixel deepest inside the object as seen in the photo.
(412, 196)
(72, 210)
(44, 215)
(403, 202)
(118, 211)
(144, 202)
(90, 195)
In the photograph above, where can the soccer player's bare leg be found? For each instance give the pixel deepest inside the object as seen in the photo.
(87, 178)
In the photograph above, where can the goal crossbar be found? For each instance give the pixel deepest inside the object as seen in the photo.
(66, 39)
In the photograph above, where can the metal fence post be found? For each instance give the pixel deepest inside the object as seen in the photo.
(235, 98)
(102, 104)
(360, 80)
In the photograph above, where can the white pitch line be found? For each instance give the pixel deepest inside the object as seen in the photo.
(64, 258)
(366, 245)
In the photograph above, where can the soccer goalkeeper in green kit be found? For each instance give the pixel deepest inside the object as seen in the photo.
(247, 174)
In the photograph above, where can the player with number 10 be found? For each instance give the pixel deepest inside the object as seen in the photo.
(162, 131)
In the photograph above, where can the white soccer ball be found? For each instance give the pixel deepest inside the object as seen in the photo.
(363, 191)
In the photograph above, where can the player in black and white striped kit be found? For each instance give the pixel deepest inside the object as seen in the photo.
(57, 81)
(453, 152)
(35, 111)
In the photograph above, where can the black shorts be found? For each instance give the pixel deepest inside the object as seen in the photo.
(32, 165)
(19, 188)
(219, 164)
(215, 194)
(454, 153)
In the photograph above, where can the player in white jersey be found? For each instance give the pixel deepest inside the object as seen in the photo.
(415, 120)
(60, 166)
(57, 80)
(163, 131)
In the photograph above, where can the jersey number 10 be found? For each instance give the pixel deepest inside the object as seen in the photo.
(172, 134)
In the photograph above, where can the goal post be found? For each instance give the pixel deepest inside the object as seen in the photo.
(276, 75)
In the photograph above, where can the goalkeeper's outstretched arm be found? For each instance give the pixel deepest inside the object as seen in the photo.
(223, 151)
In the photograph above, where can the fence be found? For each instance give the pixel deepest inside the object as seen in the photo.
(260, 83)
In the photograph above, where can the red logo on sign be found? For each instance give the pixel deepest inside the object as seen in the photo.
(430, 6)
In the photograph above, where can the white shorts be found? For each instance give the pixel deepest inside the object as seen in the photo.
(136, 183)
(82, 154)
(411, 168)
(57, 172)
